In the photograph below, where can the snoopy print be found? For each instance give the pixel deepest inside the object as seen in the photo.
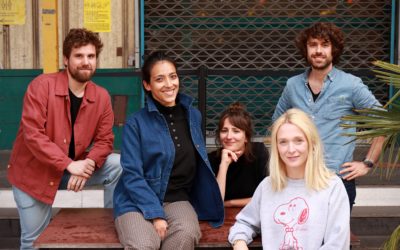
(290, 214)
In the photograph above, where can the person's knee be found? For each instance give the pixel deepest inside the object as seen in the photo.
(189, 233)
(114, 166)
(141, 242)
(113, 159)
(134, 232)
(147, 245)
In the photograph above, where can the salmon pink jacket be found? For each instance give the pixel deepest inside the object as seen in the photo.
(40, 152)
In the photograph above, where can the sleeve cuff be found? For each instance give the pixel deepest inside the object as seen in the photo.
(240, 237)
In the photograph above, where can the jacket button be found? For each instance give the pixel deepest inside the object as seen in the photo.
(197, 145)
(51, 183)
(65, 141)
(9, 166)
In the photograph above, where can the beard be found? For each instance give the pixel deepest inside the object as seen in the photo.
(81, 74)
(321, 65)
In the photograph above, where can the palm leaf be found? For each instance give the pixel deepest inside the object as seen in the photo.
(390, 76)
(381, 121)
(394, 241)
(390, 121)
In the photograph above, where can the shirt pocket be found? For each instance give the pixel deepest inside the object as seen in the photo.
(336, 107)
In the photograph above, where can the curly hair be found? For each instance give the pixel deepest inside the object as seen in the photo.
(325, 31)
(80, 37)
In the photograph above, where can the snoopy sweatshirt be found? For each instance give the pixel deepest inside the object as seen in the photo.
(296, 218)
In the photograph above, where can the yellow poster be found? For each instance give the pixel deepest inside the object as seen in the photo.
(12, 12)
(97, 15)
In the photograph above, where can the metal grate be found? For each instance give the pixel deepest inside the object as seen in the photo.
(259, 35)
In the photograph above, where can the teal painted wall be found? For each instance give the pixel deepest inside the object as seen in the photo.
(13, 84)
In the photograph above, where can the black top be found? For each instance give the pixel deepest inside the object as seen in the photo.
(314, 96)
(243, 177)
(185, 163)
(75, 105)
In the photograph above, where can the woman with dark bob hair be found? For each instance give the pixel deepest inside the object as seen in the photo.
(239, 164)
(167, 183)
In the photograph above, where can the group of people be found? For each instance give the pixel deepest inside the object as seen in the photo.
(164, 181)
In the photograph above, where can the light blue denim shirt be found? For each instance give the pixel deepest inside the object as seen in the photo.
(340, 95)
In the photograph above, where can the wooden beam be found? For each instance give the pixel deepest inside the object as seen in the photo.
(49, 27)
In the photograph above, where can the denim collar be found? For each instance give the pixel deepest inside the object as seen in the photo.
(185, 100)
(328, 79)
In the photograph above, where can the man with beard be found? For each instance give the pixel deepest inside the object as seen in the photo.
(65, 138)
(327, 93)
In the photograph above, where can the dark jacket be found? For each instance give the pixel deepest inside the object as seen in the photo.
(147, 157)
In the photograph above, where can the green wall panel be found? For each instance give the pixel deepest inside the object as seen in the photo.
(123, 85)
(13, 84)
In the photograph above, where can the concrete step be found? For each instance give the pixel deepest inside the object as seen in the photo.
(9, 228)
(370, 242)
(374, 225)
(9, 243)
(87, 198)
(375, 221)
(375, 196)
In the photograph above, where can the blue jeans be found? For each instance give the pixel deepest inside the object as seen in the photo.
(35, 215)
(351, 191)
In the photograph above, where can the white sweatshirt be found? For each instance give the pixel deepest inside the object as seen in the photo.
(296, 218)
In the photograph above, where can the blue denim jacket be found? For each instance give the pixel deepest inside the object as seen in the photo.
(340, 95)
(147, 157)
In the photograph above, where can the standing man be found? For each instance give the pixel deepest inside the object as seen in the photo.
(327, 94)
(65, 138)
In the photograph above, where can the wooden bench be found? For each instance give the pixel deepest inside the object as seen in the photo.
(94, 228)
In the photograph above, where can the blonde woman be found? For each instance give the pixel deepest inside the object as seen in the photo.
(301, 205)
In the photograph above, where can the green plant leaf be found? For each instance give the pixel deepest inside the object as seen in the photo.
(380, 121)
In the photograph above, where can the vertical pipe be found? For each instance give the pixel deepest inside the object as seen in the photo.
(202, 89)
(397, 33)
(141, 29)
(6, 47)
(392, 41)
(125, 34)
(65, 18)
(35, 34)
(141, 44)
(65, 24)
(137, 34)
